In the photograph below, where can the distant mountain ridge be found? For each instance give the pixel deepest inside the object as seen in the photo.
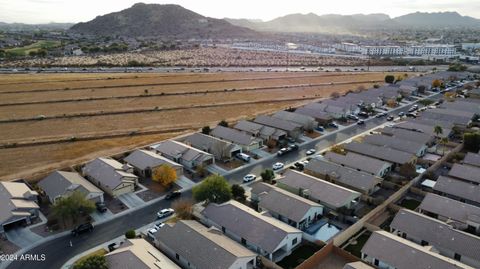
(172, 21)
(333, 23)
(30, 27)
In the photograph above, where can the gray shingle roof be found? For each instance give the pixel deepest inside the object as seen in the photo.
(462, 106)
(14, 201)
(437, 233)
(472, 159)
(422, 127)
(327, 193)
(255, 129)
(283, 202)
(458, 188)
(394, 143)
(296, 118)
(209, 144)
(233, 136)
(142, 159)
(418, 137)
(450, 208)
(107, 171)
(59, 183)
(355, 179)
(277, 123)
(317, 114)
(358, 161)
(204, 248)
(180, 150)
(382, 153)
(450, 115)
(403, 254)
(263, 231)
(465, 172)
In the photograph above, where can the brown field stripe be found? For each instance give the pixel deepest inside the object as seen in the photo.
(290, 87)
(164, 84)
(152, 110)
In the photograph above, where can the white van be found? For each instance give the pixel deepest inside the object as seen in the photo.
(244, 157)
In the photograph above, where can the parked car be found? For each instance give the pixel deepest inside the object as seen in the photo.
(333, 125)
(390, 118)
(380, 115)
(82, 228)
(292, 147)
(278, 166)
(101, 207)
(165, 213)
(282, 151)
(411, 115)
(401, 114)
(310, 151)
(113, 246)
(352, 117)
(299, 166)
(361, 122)
(320, 129)
(243, 157)
(249, 177)
(173, 195)
(363, 114)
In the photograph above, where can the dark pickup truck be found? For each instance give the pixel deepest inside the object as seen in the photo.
(82, 228)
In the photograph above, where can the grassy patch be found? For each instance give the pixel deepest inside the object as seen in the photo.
(410, 204)
(298, 256)
(43, 44)
(100, 252)
(361, 240)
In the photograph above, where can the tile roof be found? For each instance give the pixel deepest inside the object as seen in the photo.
(382, 153)
(404, 134)
(472, 159)
(263, 231)
(59, 183)
(108, 171)
(403, 254)
(450, 208)
(277, 123)
(143, 159)
(465, 172)
(458, 188)
(204, 248)
(180, 150)
(233, 136)
(327, 193)
(358, 161)
(13, 201)
(394, 143)
(437, 233)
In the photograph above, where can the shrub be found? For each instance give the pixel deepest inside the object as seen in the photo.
(130, 234)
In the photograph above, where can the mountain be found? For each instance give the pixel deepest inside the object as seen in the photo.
(437, 19)
(172, 21)
(333, 23)
(19, 27)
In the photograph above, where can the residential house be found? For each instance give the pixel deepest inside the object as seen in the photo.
(244, 140)
(424, 127)
(463, 191)
(308, 123)
(344, 176)
(138, 254)
(266, 133)
(221, 149)
(111, 176)
(367, 98)
(287, 207)
(461, 216)
(61, 184)
(459, 118)
(407, 90)
(386, 250)
(396, 157)
(446, 240)
(404, 145)
(292, 129)
(265, 235)
(144, 162)
(320, 191)
(470, 107)
(466, 173)
(360, 162)
(472, 159)
(189, 157)
(411, 135)
(321, 117)
(18, 205)
(195, 246)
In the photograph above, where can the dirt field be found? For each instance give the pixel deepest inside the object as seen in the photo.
(254, 93)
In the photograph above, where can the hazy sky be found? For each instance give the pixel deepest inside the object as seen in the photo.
(43, 11)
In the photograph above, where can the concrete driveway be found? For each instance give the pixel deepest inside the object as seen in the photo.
(22, 237)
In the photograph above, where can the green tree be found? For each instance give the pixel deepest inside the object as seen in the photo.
(92, 262)
(71, 207)
(206, 130)
(471, 141)
(389, 79)
(223, 123)
(421, 89)
(268, 175)
(214, 188)
(238, 192)
(438, 130)
(130, 234)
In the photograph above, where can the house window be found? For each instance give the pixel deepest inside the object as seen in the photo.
(457, 257)
(294, 241)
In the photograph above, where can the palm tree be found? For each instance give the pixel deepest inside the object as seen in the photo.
(444, 142)
(438, 130)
